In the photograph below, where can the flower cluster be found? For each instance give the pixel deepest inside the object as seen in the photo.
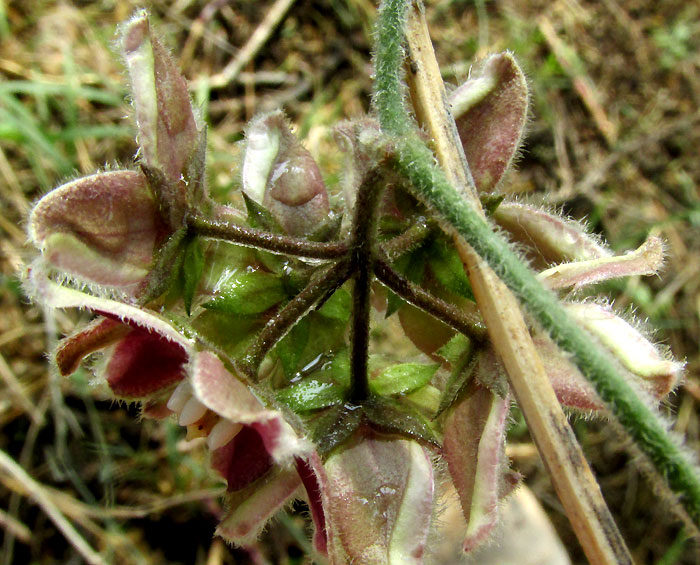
(235, 321)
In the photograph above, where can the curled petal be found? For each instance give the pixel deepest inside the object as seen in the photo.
(552, 237)
(251, 508)
(646, 260)
(99, 334)
(377, 497)
(168, 132)
(101, 229)
(490, 110)
(44, 291)
(474, 450)
(143, 363)
(279, 173)
(658, 373)
(222, 393)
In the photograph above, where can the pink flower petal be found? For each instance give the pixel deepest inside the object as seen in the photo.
(221, 392)
(378, 500)
(101, 229)
(490, 110)
(474, 450)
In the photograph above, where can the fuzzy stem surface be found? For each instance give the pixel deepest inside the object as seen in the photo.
(416, 162)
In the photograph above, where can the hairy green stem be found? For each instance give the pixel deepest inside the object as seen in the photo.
(407, 241)
(275, 243)
(416, 162)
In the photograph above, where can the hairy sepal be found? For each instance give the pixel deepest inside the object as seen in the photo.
(280, 174)
(102, 229)
(646, 260)
(490, 111)
(474, 449)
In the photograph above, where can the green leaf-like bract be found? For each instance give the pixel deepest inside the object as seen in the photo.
(403, 378)
(192, 269)
(248, 293)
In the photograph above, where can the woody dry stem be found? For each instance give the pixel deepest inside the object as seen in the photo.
(416, 162)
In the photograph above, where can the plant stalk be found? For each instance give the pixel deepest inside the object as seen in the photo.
(259, 239)
(362, 252)
(573, 480)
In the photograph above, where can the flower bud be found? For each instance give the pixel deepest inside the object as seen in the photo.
(101, 229)
(551, 237)
(280, 174)
(656, 371)
(168, 132)
(490, 111)
(377, 496)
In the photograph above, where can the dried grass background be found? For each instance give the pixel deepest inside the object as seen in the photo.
(614, 137)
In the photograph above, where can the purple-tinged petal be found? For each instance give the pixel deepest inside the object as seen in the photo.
(44, 291)
(553, 238)
(279, 173)
(222, 393)
(168, 132)
(377, 497)
(474, 449)
(646, 260)
(101, 229)
(100, 333)
(490, 111)
(143, 363)
(251, 508)
(243, 460)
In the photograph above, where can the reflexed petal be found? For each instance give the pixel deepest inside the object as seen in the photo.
(100, 333)
(490, 110)
(279, 173)
(167, 128)
(102, 229)
(216, 388)
(143, 363)
(48, 293)
(554, 238)
(251, 508)
(658, 372)
(377, 497)
(147, 355)
(646, 260)
(474, 450)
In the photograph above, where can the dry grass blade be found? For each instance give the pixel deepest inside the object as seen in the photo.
(38, 494)
(572, 478)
